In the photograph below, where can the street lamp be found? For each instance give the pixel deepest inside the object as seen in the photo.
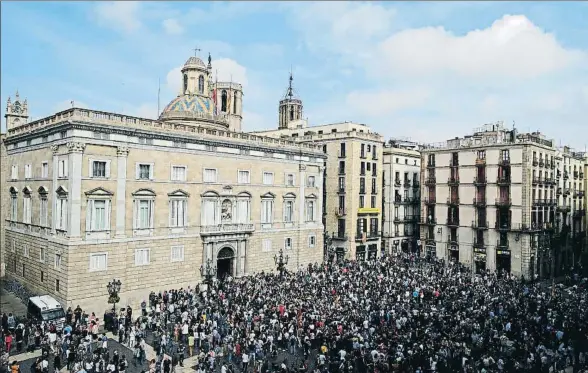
(281, 261)
(113, 288)
(208, 272)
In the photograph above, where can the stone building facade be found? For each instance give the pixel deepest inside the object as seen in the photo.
(401, 196)
(94, 196)
(493, 200)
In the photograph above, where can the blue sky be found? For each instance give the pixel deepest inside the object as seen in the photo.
(428, 71)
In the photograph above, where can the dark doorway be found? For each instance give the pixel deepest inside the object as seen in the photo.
(503, 263)
(225, 263)
(454, 256)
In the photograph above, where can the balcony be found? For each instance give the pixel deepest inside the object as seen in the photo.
(547, 164)
(480, 224)
(209, 230)
(503, 202)
(481, 162)
(549, 181)
(341, 154)
(452, 221)
(564, 209)
(566, 192)
(430, 181)
(430, 164)
(362, 155)
(397, 183)
(453, 163)
(479, 201)
(537, 180)
(365, 236)
(503, 180)
(340, 212)
(558, 174)
(430, 200)
(502, 225)
(341, 190)
(576, 175)
(406, 219)
(551, 202)
(428, 221)
(479, 244)
(341, 171)
(453, 240)
(416, 184)
(552, 165)
(362, 190)
(538, 202)
(558, 191)
(579, 213)
(452, 181)
(406, 201)
(581, 175)
(581, 194)
(566, 175)
(452, 201)
(541, 162)
(340, 236)
(504, 161)
(480, 181)
(368, 210)
(535, 162)
(407, 183)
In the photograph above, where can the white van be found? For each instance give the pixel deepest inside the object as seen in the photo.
(46, 308)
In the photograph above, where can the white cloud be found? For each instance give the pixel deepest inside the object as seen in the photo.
(173, 80)
(383, 102)
(144, 110)
(171, 26)
(229, 70)
(119, 15)
(513, 47)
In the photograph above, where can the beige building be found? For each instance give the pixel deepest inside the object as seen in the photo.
(352, 180)
(491, 200)
(94, 196)
(401, 196)
(4, 201)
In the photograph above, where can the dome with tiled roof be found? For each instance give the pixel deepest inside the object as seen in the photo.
(194, 61)
(190, 105)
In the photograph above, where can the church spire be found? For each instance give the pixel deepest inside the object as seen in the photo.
(290, 111)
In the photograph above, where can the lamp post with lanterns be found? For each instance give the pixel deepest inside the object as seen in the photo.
(113, 288)
(208, 272)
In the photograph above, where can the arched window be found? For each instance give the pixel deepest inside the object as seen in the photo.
(201, 84)
(224, 101)
(185, 83)
(235, 103)
(292, 113)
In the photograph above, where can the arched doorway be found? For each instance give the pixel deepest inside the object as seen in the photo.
(225, 262)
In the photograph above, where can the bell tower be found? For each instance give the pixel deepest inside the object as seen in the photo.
(17, 112)
(290, 111)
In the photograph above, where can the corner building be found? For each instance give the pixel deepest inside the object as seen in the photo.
(96, 195)
(352, 180)
(491, 200)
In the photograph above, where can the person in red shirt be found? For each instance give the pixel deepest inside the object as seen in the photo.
(282, 310)
(8, 342)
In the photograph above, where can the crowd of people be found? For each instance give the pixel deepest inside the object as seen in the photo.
(395, 314)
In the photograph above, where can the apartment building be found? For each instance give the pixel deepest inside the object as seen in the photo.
(94, 195)
(490, 200)
(352, 210)
(401, 196)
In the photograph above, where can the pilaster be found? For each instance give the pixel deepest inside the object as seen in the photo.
(242, 252)
(122, 153)
(54, 149)
(75, 150)
(301, 193)
(319, 198)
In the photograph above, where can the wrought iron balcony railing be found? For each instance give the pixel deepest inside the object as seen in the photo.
(480, 224)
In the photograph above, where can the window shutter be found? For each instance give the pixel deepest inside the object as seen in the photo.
(171, 210)
(151, 212)
(107, 169)
(151, 167)
(89, 209)
(107, 215)
(65, 168)
(137, 171)
(135, 213)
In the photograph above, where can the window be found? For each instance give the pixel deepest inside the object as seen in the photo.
(57, 263)
(42, 276)
(361, 202)
(28, 173)
(341, 204)
(144, 213)
(99, 169)
(98, 215)
(177, 253)
(288, 211)
(25, 250)
(289, 179)
(243, 214)
(310, 210)
(288, 244)
(267, 211)
(56, 285)
(311, 241)
(62, 168)
(45, 169)
(61, 212)
(42, 255)
(13, 205)
(341, 228)
(178, 173)
(311, 182)
(243, 177)
(142, 257)
(14, 172)
(341, 184)
(268, 178)
(342, 150)
(373, 202)
(26, 208)
(98, 262)
(201, 84)
(13, 246)
(210, 175)
(210, 212)
(23, 270)
(266, 245)
(178, 212)
(144, 171)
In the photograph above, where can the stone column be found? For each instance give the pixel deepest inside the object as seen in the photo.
(121, 190)
(54, 149)
(301, 209)
(76, 150)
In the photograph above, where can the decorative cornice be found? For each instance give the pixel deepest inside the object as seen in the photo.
(54, 148)
(122, 151)
(76, 147)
